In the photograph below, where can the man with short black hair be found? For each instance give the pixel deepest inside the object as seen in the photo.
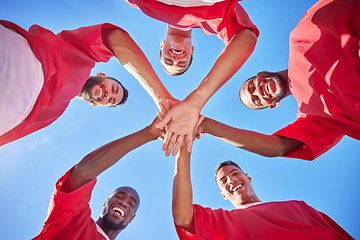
(251, 219)
(41, 72)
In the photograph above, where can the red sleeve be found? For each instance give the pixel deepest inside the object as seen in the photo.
(239, 21)
(64, 206)
(88, 39)
(206, 225)
(317, 136)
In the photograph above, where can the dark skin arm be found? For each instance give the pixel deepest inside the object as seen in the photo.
(104, 157)
(262, 144)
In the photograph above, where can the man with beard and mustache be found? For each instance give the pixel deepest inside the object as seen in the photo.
(323, 76)
(230, 22)
(41, 72)
(252, 219)
(69, 214)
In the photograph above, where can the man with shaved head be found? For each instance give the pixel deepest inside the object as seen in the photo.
(322, 75)
(69, 214)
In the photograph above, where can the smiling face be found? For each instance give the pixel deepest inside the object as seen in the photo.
(119, 210)
(264, 90)
(176, 54)
(102, 91)
(235, 186)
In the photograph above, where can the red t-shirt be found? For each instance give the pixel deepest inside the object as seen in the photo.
(224, 18)
(293, 220)
(67, 59)
(69, 215)
(324, 73)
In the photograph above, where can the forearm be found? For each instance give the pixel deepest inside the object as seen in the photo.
(135, 62)
(182, 193)
(228, 63)
(262, 144)
(104, 157)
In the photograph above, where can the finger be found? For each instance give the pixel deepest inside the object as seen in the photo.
(171, 102)
(189, 140)
(201, 118)
(179, 143)
(171, 144)
(162, 108)
(167, 104)
(160, 116)
(167, 138)
(164, 121)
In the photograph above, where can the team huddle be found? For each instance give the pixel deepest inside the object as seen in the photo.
(48, 70)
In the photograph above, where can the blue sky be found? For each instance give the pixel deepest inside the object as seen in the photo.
(31, 165)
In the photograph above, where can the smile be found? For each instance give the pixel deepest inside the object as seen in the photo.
(119, 211)
(176, 51)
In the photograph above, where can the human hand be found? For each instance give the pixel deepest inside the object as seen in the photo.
(179, 122)
(157, 133)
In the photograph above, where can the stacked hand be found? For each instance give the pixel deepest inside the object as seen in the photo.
(179, 121)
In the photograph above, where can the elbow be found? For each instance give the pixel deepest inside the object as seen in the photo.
(182, 221)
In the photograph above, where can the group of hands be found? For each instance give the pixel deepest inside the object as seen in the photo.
(177, 124)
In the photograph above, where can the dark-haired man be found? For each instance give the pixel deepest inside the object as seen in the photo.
(323, 76)
(41, 72)
(229, 21)
(251, 219)
(69, 214)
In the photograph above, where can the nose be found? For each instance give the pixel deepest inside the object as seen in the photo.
(257, 92)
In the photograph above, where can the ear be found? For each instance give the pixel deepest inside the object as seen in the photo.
(105, 202)
(223, 195)
(274, 105)
(192, 49)
(250, 179)
(101, 74)
(162, 43)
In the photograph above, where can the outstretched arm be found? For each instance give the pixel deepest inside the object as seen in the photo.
(182, 203)
(135, 62)
(104, 157)
(262, 144)
(183, 117)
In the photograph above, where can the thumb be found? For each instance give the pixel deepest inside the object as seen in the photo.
(164, 122)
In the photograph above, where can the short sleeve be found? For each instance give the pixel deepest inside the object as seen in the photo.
(317, 136)
(63, 206)
(88, 39)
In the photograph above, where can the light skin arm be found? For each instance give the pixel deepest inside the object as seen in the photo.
(104, 157)
(182, 202)
(135, 62)
(182, 118)
(262, 144)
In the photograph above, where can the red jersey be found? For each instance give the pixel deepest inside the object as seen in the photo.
(67, 59)
(224, 18)
(69, 215)
(293, 220)
(324, 74)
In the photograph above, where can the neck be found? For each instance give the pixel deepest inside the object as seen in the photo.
(176, 31)
(253, 199)
(110, 233)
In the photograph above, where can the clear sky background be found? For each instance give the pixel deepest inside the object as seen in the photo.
(30, 166)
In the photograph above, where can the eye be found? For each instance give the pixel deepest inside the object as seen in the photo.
(168, 61)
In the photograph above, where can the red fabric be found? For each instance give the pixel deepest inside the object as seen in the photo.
(67, 59)
(69, 215)
(224, 18)
(293, 220)
(324, 73)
